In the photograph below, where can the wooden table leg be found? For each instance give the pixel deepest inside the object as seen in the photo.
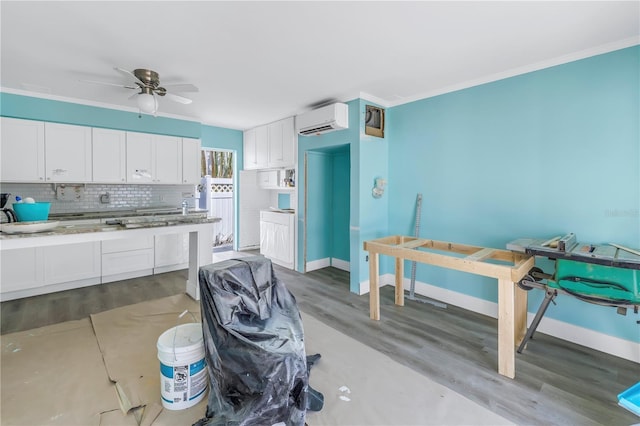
(506, 328)
(520, 315)
(399, 281)
(374, 290)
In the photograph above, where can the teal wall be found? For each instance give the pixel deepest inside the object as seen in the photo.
(223, 139)
(329, 141)
(328, 191)
(340, 213)
(368, 217)
(319, 215)
(32, 108)
(373, 217)
(284, 201)
(537, 155)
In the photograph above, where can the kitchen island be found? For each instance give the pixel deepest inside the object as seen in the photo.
(95, 232)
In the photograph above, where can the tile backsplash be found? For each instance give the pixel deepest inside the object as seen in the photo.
(67, 198)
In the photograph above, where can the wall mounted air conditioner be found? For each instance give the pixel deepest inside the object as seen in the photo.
(323, 120)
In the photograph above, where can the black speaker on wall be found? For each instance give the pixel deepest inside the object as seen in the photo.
(374, 121)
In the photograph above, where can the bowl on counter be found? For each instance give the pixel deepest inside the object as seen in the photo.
(32, 212)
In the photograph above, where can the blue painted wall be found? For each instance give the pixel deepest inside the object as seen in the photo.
(341, 190)
(328, 204)
(18, 106)
(374, 162)
(223, 139)
(368, 217)
(537, 155)
(31, 108)
(319, 205)
(348, 137)
(284, 201)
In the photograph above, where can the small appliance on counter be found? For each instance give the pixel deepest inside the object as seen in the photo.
(8, 215)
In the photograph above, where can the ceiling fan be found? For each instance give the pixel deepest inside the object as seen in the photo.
(147, 84)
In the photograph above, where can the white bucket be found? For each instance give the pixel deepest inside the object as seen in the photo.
(183, 368)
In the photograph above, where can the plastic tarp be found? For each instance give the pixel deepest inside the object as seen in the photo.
(254, 345)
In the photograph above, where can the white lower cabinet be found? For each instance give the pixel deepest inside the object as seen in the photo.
(171, 252)
(277, 237)
(33, 271)
(127, 258)
(71, 262)
(21, 269)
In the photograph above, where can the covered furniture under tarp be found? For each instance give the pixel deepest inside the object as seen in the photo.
(254, 345)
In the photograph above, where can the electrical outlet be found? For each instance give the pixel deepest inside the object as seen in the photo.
(366, 258)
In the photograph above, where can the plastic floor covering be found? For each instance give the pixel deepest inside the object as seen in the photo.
(104, 371)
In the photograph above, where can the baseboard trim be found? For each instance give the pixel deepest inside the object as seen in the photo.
(341, 264)
(126, 275)
(170, 268)
(51, 288)
(318, 264)
(582, 336)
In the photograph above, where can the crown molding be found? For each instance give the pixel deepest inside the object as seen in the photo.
(89, 103)
(536, 66)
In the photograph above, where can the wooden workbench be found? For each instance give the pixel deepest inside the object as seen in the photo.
(504, 265)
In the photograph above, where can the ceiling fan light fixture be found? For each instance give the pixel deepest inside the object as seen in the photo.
(147, 103)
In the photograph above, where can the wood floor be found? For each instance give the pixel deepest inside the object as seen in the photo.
(556, 382)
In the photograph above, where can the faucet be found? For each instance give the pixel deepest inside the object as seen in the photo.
(185, 207)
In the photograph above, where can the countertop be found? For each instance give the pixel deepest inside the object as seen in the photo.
(106, 214)
(92, 222)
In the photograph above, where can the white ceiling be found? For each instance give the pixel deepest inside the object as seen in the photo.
(256, 62)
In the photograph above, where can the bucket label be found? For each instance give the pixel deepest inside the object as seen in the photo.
(183, 383)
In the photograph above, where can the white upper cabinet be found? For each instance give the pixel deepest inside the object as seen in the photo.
(270, 146)
(35, 151)
(262, 147)
(140, 162)
(67, 153)
(22, 151)
(191, 161)
(249, 149)
(154, 159)
(281, 143)
(168, 159)
(109, 156)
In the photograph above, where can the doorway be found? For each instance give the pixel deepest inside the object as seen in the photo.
(327, 208)
(217, 194)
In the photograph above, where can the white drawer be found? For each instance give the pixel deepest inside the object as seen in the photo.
(127, 244)
(274, 217)
(129, 261)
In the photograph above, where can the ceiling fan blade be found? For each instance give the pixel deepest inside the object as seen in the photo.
(104, 83)
(181, 87)
(128, 74)
(177, 98)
